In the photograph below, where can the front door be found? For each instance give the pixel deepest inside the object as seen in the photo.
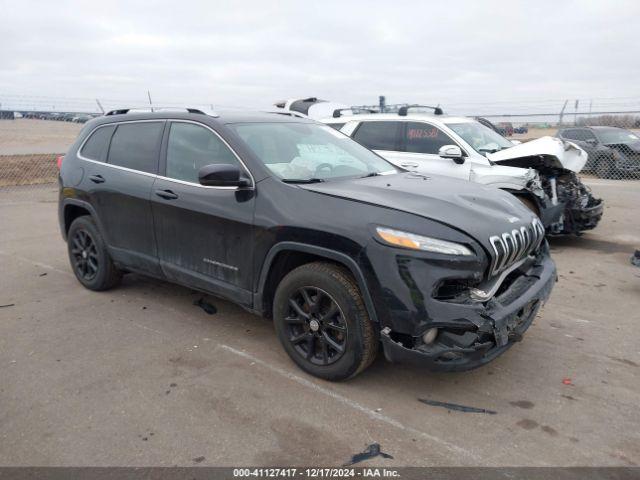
(205, 234)
(420, 144)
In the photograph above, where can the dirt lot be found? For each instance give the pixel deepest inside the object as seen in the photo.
(140, 376)
(25, 136)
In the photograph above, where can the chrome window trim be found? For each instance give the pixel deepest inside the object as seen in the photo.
(253, 182)
(155, 175)
(118, 167)
(79, 155)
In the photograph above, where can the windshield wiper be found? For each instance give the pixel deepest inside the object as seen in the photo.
(372, 174)
(303, 180)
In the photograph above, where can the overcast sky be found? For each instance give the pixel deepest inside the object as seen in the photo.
(473, 55)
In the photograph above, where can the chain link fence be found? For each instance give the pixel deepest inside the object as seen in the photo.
(612, 142)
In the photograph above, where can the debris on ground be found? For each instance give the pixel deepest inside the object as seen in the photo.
(371, 451)
(455, 406)
(8, 305)
(206, 306)
(566, 381)
(198, 459)
(635, 258)
(43, 274)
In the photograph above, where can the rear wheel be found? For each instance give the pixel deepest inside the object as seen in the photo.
(322, 323)
(89, 257)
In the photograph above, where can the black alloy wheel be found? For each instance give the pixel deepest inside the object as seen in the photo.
(315, 326)
(85, 255)
(89, 256)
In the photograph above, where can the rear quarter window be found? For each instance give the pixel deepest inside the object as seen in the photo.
(95, 148)
(136, 146)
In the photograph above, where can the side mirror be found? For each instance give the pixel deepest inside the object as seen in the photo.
(591, 141)
(453, 152)
(222, 175)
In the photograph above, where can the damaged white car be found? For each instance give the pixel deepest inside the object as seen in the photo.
(541, 173)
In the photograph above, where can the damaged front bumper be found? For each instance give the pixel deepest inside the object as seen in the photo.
(588, 217)
(506, 318)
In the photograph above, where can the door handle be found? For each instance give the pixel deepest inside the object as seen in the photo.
(409, 165)
(97, 178)
(166, 194)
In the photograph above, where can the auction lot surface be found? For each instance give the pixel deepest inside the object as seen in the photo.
(139, 376)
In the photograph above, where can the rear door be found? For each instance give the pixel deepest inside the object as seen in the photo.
(382, 137)
(204, 233)
(120, 188)
(420, 144)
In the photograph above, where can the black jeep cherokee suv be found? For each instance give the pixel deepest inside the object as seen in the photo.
(297, 222)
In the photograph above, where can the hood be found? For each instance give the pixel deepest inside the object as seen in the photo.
(631, 148)
(543, 151)
(473, 209)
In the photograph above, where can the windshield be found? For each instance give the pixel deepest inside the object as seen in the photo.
(617, 136)
(482, 139)
(310, 152)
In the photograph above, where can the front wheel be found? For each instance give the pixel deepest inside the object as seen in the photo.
(604, 168)
(322, 323)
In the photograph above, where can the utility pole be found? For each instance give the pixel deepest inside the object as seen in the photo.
(575, 112)
(562, 113)
(100, 106)
(150, 104)
(382, 103)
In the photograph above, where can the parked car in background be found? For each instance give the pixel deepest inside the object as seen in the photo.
(81, 118)
(505, 129)
(295, 221)
(521, 129)
(613, 152)
(541, 173)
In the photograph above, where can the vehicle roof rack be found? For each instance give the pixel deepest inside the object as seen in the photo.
(291, 113)
(124, 111)
(337, 113)
(402, 111)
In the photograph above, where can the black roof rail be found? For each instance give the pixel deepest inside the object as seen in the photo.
(337, 113)
(402, 111)
(290, 113)
(123, 111)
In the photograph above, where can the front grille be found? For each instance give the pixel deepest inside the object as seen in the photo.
(511, 247)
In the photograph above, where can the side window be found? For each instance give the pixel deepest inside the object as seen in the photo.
(569, 134)
(191, 147)
(95, 148)
(579, 134)
(136, 146)
(425, 138)
(377, 135)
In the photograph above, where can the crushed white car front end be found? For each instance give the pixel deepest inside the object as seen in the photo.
(549, 151)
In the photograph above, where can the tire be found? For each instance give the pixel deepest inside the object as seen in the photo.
(328, 295)
(89, 258)
(604, 168)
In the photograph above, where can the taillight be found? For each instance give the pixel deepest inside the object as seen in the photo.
(59, 160)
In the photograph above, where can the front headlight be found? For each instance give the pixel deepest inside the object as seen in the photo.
(420, 242)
